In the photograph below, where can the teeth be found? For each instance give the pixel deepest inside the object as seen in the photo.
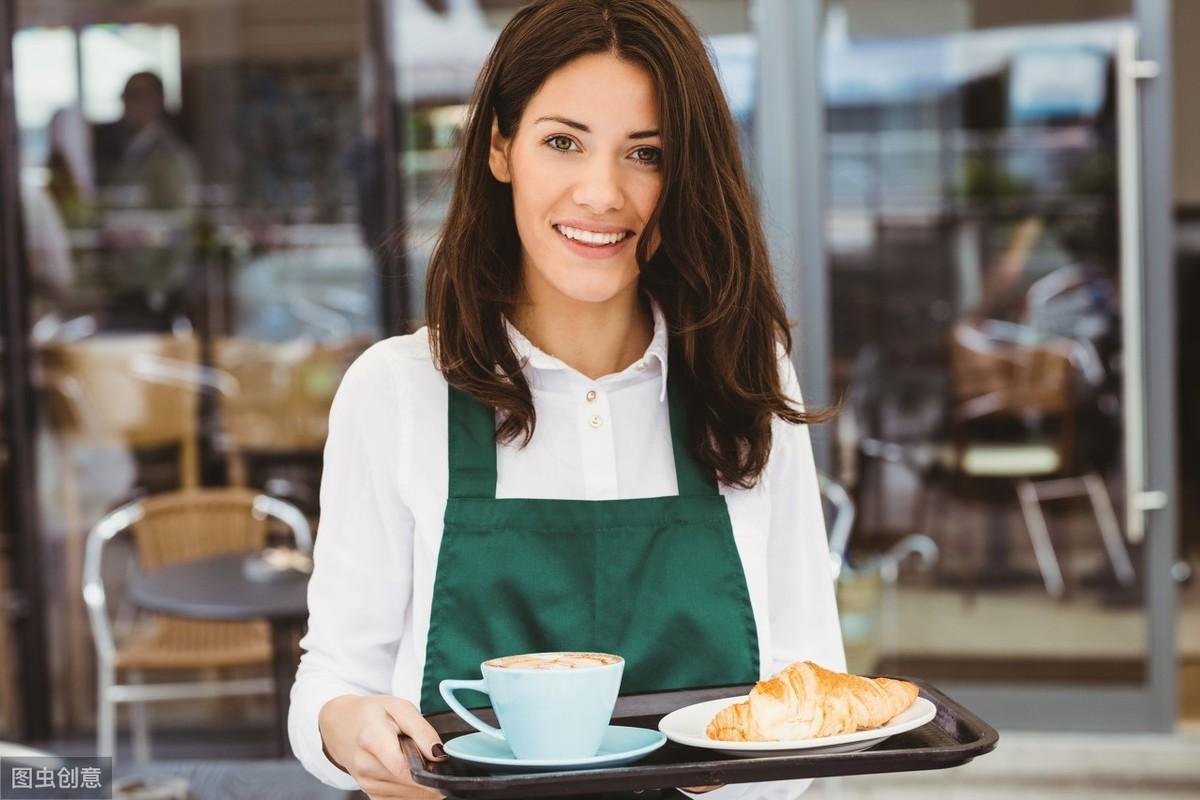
(590, 237)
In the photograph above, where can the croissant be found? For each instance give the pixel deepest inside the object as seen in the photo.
(805, 701)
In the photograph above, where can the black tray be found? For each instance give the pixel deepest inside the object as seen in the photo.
(954, 737)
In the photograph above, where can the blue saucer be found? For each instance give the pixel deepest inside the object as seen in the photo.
(621, 745)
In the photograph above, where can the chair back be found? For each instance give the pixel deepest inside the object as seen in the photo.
(283, 391)
(179, 526)
(1011, 382)
(141, 389)
(1016, 379)
(839, 520)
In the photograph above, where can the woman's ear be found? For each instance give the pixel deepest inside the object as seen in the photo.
(498, 155)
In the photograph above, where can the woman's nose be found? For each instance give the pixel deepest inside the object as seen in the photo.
(599, 188)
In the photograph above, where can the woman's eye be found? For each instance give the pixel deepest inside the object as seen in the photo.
(562, 144)
(648, 155)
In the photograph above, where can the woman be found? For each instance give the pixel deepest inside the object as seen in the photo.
(595, 444)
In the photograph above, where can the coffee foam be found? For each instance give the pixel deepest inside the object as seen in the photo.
(554, 661)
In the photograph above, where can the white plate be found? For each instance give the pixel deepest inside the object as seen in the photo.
(686, 726)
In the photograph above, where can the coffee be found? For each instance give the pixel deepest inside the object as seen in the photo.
(554, 661)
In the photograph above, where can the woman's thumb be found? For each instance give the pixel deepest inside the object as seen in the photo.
(413, 725)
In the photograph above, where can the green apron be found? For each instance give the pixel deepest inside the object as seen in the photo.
(656, 580)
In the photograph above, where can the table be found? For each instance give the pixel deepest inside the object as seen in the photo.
(214, 588)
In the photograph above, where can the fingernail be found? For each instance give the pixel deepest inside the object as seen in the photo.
(439, 752)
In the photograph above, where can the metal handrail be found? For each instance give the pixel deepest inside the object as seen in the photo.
(1139, 499)
(843, 521)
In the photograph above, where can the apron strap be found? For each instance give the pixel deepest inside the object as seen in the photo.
(693, 480)
(472, 448)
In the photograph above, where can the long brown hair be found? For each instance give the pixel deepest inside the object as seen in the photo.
(711, 273)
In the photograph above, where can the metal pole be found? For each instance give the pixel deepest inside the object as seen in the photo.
(390, 115)
(790, 127)
(1153, 18)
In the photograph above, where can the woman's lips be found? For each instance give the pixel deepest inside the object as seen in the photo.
(593, 250)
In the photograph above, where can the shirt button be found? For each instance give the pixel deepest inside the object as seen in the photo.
(591, 395)
(594, 421)
(640, 365)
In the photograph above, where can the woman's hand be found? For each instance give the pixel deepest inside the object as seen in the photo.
(362, 737)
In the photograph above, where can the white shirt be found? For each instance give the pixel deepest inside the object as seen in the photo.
(383, 497)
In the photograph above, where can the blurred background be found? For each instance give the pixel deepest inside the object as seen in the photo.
(985, 216)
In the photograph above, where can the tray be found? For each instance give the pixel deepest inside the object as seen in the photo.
(954, 737)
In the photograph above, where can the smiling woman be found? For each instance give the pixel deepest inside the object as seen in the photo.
(597, 444)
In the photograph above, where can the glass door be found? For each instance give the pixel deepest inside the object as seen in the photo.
(198, 187)
(987, 329)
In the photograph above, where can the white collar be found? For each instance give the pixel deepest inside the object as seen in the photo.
(530, 355)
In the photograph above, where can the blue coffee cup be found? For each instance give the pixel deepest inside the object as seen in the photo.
(546, 709)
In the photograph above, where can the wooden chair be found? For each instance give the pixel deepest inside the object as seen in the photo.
(141, 390)
(168, 528)
(1030, 385)
(280, 396)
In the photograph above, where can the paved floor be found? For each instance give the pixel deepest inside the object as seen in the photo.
(1025, 765)
(1035, 766)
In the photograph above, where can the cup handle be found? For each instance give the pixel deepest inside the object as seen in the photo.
(447, 687)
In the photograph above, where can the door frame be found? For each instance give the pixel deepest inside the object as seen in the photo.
(790, 173)
(17, 425)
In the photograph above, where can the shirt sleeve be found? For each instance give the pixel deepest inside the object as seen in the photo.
(361, 584)
(800, 587)
(800, 592)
